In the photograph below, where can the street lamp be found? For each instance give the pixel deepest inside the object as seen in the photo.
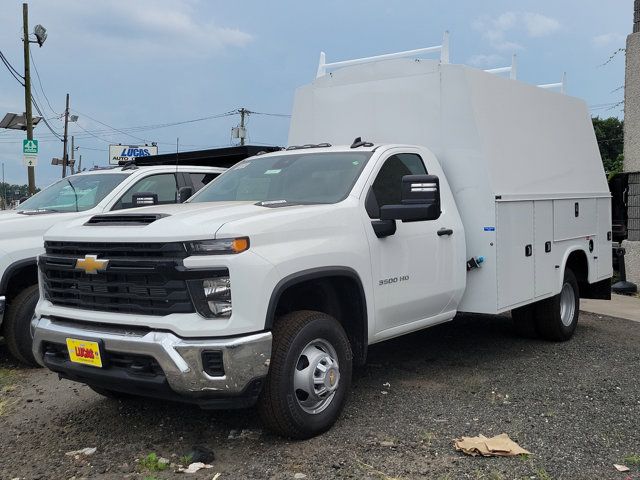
(41, 34)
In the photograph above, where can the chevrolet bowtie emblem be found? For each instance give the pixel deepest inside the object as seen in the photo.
(91, 265)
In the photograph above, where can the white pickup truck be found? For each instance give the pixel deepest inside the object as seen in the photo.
(85, 194)
(471, 193)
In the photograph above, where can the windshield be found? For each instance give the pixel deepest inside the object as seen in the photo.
(299, 178)
(73, 194)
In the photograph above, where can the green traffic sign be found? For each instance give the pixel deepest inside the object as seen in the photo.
(30, 147)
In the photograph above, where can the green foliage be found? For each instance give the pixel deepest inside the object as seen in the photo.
(153, 463)
(610, 136)
(632, 459)
(13, 192)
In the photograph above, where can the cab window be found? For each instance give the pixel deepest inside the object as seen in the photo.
(199, 180)
(387, 187)
(164, 185)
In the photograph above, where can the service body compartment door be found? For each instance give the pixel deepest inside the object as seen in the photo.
(603, 242)
(515, 260)
(574, 218)
(543, 254)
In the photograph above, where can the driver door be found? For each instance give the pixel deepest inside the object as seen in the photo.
(413, 269)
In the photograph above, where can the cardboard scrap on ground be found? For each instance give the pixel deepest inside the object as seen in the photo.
(498, 446)
(621, 468)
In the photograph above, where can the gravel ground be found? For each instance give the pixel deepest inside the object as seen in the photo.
(574, 405)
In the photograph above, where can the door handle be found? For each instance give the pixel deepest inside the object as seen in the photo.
(445, 231)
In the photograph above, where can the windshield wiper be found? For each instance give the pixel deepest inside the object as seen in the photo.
(38, 211)
(283, 203)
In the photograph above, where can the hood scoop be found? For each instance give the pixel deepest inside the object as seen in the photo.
(124, 220)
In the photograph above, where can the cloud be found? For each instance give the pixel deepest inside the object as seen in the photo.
(607, 39)
(127, 28)
(538, 25)
(487, 61)
(495, 29)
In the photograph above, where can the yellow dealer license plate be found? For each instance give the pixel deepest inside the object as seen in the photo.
(84, 352)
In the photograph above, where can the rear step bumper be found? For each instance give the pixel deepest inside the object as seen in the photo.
(157, 364)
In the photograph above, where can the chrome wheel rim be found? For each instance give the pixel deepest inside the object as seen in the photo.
(316, 376)
(567, 304)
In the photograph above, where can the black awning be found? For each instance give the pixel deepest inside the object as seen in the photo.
(215, 157)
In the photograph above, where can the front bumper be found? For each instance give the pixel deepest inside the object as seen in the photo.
(181, 374)
(3, 304)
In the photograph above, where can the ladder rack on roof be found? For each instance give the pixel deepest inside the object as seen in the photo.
(323, 66)
(512, 69)
(443, 49)
(562, 85)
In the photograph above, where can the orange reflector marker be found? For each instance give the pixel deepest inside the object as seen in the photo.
(240, 244)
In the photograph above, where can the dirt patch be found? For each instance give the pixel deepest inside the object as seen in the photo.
(574, 405)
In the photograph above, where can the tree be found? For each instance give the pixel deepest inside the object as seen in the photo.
(610, 136)
(13, 192)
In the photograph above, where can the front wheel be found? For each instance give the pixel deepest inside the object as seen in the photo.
(309, 375)
(557, 317)
(17, 325)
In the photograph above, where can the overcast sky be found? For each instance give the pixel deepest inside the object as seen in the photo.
(142, 63)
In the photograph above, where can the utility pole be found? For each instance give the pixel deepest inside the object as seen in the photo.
(31, 171)
(72, 163)
(243, 112)
(64, 141)
(4, 190)
(80, 164)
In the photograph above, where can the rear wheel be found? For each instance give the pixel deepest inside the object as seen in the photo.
(309, 375)
(17, 325)
(557, 317)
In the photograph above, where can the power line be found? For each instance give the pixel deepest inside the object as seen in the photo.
(44, 120)
(93, 135)
(125, 130)
(11, 67)
(109, 126)
(40, 83)
(283, 115)
(14, 73)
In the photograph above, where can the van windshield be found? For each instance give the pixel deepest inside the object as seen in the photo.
(73, 194)
(293, 178)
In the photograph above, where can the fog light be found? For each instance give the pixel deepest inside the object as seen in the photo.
(217, 293)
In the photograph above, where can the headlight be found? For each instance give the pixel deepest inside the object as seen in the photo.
(212, 296)
(218, 247)
(217, 293)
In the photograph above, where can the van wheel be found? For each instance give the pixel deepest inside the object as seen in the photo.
(557, 317)
(524, 321)
(17, 325)
(309, 376)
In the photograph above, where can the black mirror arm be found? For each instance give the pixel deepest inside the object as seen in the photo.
(383, 228)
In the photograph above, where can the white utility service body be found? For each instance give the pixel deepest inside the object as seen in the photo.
(518, 158)
(498, 196)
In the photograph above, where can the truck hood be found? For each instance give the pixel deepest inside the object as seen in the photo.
(187, 221)
(14, 225)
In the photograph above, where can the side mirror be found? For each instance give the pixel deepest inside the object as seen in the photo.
(420, 200)
(144, 199)
(184, 194)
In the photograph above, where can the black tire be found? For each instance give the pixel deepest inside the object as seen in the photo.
(549, 316)
(524, 321)
(17, 325)
(111, 394)
(279, 404)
